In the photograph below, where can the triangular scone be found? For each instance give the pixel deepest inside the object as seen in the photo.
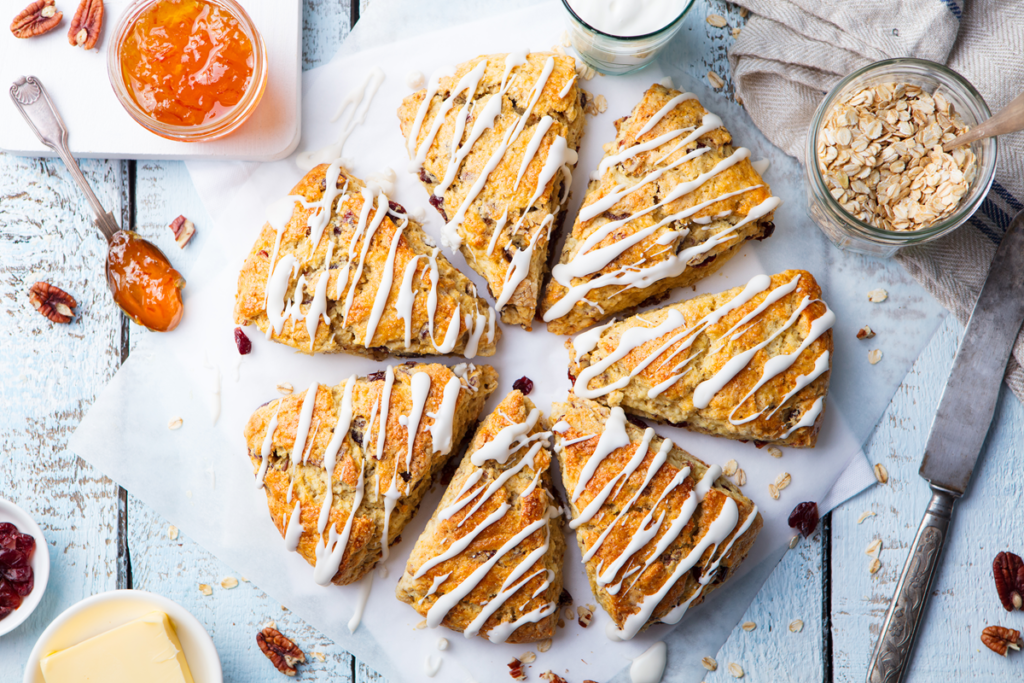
(752, 363)
(372, 282)
(321, 454)
(494, 141)
(489, 562)
(672, 203)
(658, 528)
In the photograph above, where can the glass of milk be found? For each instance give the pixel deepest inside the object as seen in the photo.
(622, 36)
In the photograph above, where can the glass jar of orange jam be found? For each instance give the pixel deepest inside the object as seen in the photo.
(188, 69)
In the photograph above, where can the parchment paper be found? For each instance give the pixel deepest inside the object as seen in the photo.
(200, 479)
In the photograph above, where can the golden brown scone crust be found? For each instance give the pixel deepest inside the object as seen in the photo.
(499, 192)
(675, 404)
(440, 533)
(454, 290)
(615, 298)
(364, 546)
(589, 418)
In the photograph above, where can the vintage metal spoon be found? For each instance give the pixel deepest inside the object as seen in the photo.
(954, 444)
(141, 279)
(1009, 119)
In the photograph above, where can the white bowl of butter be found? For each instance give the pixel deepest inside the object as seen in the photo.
(106, 615)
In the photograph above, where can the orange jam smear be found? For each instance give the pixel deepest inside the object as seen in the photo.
(143, 282)
(186, 62)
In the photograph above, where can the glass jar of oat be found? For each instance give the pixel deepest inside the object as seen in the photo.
(877, 177)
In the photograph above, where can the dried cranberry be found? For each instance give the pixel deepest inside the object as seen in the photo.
(523, 384)
(12, 558)
(25, 587)
(242, 341)
(376, 376)
(804, 518)
(4, 611)
(9, 596)
(26, 545)
(637, 421)
(18, 575)
(572, 377)
(438, 203)
(7, 529)
(396, 207)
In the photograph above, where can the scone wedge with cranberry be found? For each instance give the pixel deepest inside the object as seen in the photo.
(494, 141)
(489, 562)
(752, 363)
(673, 200)
(344, 468)
(658, 528)
(339, 267)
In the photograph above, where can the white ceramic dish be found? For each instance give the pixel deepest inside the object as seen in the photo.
(105, 611)
(9, 512)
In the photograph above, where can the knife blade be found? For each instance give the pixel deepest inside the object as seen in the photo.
(955, 441)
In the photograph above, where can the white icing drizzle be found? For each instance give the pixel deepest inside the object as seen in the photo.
(449, 234)
(761, 166)
(459, 545)
(420, 389)
(519, 267)
(595, 504)
(585, 342)
(357, 103)
(808, 418)
(435, 584)
(365, 586)
(407, 297)
(433, 85)
(498, 227)
(568, 86)
(528, 460)
(318, 308)
(508, 441)
(560, 427)
(432, 665)
(305, 418)
(467, 85)
(708, 123)
(277, 288)
(392, 495)
(380, 299)
(371, 230)
(612, 438)
(531, 149)
(294, 529)
(444, 418)
(268, 447)
(341, 427)
(650, 666)
(661, 113)
(330, 555)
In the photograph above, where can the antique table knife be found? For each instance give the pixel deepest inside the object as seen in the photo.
(957, 434)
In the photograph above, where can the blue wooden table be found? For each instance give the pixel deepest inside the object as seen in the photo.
(102, 538)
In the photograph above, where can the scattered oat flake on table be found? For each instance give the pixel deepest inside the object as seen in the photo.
(730, 468)
(172, 532)
(793, 542)
(744, 12)
(865, 333)
(796, 626)
(229, 583)
(773, 491)
(881, 474)
(736, 32)
(709, 663)
(783, 480)
(528, 657)
(717, 20)
(749, 626)
(864, 515)
(319, 655)
(741, 478)
(602, 104)
(544, 645)
(874, 548)
(715, 80)
(774, 452)
(205, 589)
(877, 296)
(874, 355)
(285, 388)
(566, 41)
(174, 423)
(875, 565)
(735, 669)
(422, 625)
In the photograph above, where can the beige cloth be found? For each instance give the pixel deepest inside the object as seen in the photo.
(792, 51)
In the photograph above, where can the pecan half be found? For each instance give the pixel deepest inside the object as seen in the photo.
(38, 18)
(85, 27)
(283, 653)
(1008, 569)
(183, 230)
(999, 638)
(515, 670)
(53, 302)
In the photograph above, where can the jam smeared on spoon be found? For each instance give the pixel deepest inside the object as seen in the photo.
(143, 282)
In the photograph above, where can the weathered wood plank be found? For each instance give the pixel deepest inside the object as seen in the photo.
(963, 598)
(50, 374)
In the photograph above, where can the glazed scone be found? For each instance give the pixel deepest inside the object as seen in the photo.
(489, 562)
(658, 528)
(350, 271)
(752, 363)
(340, 490)
(494, 141)
(673, 201)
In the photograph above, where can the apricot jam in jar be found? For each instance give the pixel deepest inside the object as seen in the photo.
(188, 70)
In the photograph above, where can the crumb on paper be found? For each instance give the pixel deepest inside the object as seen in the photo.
(877, 296)
(175, 423)
(865, 333)
(874, 355)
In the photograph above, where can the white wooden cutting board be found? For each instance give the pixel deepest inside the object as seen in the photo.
(99, 127)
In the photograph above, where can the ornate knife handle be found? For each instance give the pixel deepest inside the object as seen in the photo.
(892, 653)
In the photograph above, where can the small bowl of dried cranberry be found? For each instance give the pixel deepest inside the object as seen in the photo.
(24, 566)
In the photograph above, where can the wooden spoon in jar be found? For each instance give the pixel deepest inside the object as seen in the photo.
(142, 281)
(1009, 120)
